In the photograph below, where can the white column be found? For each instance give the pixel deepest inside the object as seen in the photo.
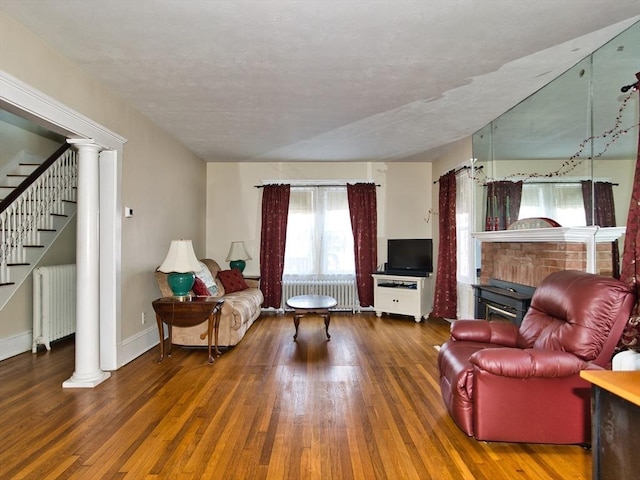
(87, 373)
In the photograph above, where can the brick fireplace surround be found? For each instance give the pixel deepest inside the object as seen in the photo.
(528, 256)
(528, 263)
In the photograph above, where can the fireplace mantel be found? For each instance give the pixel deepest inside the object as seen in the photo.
(554, 234)
(587, 235)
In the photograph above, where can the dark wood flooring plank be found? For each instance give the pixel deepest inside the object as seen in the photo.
(364, 405)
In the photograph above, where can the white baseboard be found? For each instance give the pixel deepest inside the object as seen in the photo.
(130, 349)
(138, 344)
(16, 344)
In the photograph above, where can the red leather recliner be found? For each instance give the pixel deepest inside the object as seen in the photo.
(504, 384)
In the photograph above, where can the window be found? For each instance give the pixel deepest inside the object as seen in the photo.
(561, 202)
(319, 236)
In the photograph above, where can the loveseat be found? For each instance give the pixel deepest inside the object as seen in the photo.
(242, 302)
(501, 383)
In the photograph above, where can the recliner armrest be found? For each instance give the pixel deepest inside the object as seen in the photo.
(528, 363)
(497, 333)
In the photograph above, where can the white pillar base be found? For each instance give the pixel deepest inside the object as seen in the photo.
(76, 381)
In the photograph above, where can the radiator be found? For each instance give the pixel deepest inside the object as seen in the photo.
(54, 304)
(343, 290)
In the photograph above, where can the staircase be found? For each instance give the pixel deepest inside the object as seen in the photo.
(36, 202)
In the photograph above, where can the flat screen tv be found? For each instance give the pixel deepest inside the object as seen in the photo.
(412, 256)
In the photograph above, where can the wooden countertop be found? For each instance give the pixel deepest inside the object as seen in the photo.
(625, 384)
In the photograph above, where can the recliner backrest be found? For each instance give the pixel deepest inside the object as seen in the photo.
(577, 312)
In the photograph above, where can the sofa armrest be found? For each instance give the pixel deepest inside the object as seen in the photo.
(252, 282)
(497, 333)
(527, 363)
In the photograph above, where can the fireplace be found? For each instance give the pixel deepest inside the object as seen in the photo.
(514, 262)
(528, 256)
(502, 300)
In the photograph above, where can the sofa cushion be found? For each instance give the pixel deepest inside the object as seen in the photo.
(232, 280)
(242, 306)
(199, 288)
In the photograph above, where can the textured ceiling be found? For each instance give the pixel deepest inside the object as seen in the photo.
(323, 80)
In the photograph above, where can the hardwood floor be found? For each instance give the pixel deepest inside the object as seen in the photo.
(365, 405)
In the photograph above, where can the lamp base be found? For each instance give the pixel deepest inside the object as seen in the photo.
(181, 283)
(239, 264)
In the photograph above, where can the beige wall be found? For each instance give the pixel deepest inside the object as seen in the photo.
(14, 140)
(234, 204)
(162, 181)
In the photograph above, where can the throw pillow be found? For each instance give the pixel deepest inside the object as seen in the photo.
(205, 275)
(232, 280)
(200, 289)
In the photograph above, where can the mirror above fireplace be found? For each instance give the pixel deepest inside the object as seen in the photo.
(578, 127)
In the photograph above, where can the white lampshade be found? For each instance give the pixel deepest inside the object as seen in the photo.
(238, 252)
(181, 258)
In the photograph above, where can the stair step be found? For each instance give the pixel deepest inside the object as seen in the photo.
(22, 258)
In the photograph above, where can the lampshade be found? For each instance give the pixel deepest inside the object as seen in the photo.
(181, 258)
(238, 252)
(180, 263)
(237, 256)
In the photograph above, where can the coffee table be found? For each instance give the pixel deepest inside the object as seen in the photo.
(318, 304)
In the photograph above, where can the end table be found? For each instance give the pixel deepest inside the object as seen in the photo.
(187, 312)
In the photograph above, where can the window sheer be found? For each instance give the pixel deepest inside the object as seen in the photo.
(319, 236)
(465, 244)
(561, 202)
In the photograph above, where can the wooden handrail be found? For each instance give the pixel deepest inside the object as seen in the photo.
(4, 204)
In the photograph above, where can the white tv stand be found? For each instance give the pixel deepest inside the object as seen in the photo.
(402, 294)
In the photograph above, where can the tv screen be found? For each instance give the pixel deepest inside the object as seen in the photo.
(410, 255)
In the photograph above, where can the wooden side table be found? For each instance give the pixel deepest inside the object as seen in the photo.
(615, 432)
(187, 312)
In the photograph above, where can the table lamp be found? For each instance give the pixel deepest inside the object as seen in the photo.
(237, 256)
(180, 263)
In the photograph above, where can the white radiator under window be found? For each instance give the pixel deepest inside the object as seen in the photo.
(54, 304)
(344, 290)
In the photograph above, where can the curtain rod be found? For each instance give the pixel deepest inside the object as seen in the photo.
(314, 184)
(465, 167)
(568, 182)
(564, 183)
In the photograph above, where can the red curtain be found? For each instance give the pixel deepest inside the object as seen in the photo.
(631, 256)
(364, 223)
(445, 300)
(503, 204)
(604, 213)
(275, 211)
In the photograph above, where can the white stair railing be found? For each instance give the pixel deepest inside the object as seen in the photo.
(34, 211)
